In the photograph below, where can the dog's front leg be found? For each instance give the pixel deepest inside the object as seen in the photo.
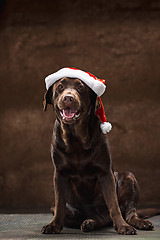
(107, 183)
(56, 225)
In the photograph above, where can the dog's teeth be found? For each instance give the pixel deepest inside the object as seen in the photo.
(77, 115)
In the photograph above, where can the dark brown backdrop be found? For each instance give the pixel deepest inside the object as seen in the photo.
(116, 40)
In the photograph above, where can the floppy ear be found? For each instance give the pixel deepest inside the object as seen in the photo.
(98, 104)
(47, 98)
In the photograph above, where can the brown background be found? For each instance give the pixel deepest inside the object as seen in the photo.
(115, 40)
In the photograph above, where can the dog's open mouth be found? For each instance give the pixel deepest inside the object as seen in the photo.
(69, 114)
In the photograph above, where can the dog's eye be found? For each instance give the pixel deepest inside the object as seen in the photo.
(80, 86)
(60, 86)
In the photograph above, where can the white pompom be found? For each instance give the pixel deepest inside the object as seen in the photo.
(106, 127)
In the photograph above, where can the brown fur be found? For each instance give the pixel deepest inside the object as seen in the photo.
(88, 193)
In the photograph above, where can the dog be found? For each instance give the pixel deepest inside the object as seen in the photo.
(88, 193)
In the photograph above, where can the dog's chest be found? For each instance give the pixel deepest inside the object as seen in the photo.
(77, 164)
(79, 167)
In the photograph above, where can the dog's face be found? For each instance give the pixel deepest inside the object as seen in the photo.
(71, 99)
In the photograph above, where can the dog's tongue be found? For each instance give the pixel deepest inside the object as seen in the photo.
(69, 113)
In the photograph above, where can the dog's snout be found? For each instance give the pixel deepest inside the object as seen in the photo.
(68, 98)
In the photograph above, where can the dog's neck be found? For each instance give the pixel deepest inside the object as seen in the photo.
(78, 132)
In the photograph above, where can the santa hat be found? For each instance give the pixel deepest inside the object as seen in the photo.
(97, 85)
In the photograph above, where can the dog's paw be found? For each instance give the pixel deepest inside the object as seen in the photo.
(142, 224)
(126, 230)
(88, 225)
(51, 229)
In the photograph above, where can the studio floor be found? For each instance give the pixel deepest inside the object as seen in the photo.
(28, 226)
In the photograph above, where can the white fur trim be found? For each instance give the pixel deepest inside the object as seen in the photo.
(97, 86)
(106, 127)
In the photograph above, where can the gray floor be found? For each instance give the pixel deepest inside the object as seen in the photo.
(28, 226)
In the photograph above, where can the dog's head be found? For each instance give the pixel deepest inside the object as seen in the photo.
(71, 98)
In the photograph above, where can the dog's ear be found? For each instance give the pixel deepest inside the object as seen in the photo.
(47, 98)
(98, 104)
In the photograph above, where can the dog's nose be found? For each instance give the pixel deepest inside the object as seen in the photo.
(68, 98)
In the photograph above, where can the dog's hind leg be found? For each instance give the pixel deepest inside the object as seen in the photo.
(98, 217)
(128, 196)
(87, 218)
(89, 225)
(74, 217)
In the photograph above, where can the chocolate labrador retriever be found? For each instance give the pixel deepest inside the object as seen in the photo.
(88, 193)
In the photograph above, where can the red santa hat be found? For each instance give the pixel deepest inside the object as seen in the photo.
(97, 85)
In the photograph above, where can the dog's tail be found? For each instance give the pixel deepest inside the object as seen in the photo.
(148, 212)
